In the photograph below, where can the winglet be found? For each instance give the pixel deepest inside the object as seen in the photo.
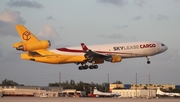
(84, 47)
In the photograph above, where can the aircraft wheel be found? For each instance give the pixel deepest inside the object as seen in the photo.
(148, 62)
(95, 66)
(85, 67)
(80, 67)
(90, 67)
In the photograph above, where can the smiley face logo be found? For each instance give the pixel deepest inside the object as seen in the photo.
(26, 35)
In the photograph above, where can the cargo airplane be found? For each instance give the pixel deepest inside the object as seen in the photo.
(36, 50)
(160, 93)
(104, 94)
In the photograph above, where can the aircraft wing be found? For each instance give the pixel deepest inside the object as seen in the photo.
(92, 55)
(174, 94)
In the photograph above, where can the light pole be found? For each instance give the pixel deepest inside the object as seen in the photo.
(136, 84)
(149, 86)
(108, 83)
(60, 79)
(90, 88)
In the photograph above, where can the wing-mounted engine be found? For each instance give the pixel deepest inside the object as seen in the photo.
(113, 58)
(95, 57)
(44, 44)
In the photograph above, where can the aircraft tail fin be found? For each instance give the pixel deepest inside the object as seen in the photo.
(84, 47)
(159, 91)
(26, 35)
(96, 91)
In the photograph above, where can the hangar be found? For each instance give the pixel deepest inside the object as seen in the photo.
(39, 91)
(135, 93)
(30, 91)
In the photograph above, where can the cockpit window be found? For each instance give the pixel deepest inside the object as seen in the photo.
(162, 45)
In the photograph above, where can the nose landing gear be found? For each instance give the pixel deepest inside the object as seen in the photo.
(148, 62)
(148, 57)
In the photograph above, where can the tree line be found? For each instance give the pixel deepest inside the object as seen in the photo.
(7, 82)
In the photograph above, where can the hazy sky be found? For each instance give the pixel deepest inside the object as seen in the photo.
(70, 22)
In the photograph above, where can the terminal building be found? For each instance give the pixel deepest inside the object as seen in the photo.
(135, 93)
(142, 86)
(73, 93)
(125, 90)
(31, 91)
(139, 90)
(39, 91)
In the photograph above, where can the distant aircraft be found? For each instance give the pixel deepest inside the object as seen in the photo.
(43, 95)
(166, 94)
(36, 50)
(104, 94)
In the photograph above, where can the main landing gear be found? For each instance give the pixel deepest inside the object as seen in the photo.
(84, 67)
(148, 62)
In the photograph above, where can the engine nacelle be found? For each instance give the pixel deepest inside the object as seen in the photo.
(114, 58)
(32, 46)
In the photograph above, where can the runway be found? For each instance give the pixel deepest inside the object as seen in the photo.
(64, 99)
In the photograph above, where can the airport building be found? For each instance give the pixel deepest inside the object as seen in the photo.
(119, 86)
(153, 86)
(1, 94)
(39, 91)
(73, 93)
(135, 93)
(139, 90)
(141, 86)
(31, 91)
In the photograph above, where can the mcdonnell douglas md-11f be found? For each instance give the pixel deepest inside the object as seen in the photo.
(36, 50)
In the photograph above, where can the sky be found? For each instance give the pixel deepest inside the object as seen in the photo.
(70, 22)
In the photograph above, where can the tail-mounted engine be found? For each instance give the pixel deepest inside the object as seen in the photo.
(114, 58)
(32, 46)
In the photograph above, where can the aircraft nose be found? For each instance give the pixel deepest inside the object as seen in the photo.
(165, 48)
